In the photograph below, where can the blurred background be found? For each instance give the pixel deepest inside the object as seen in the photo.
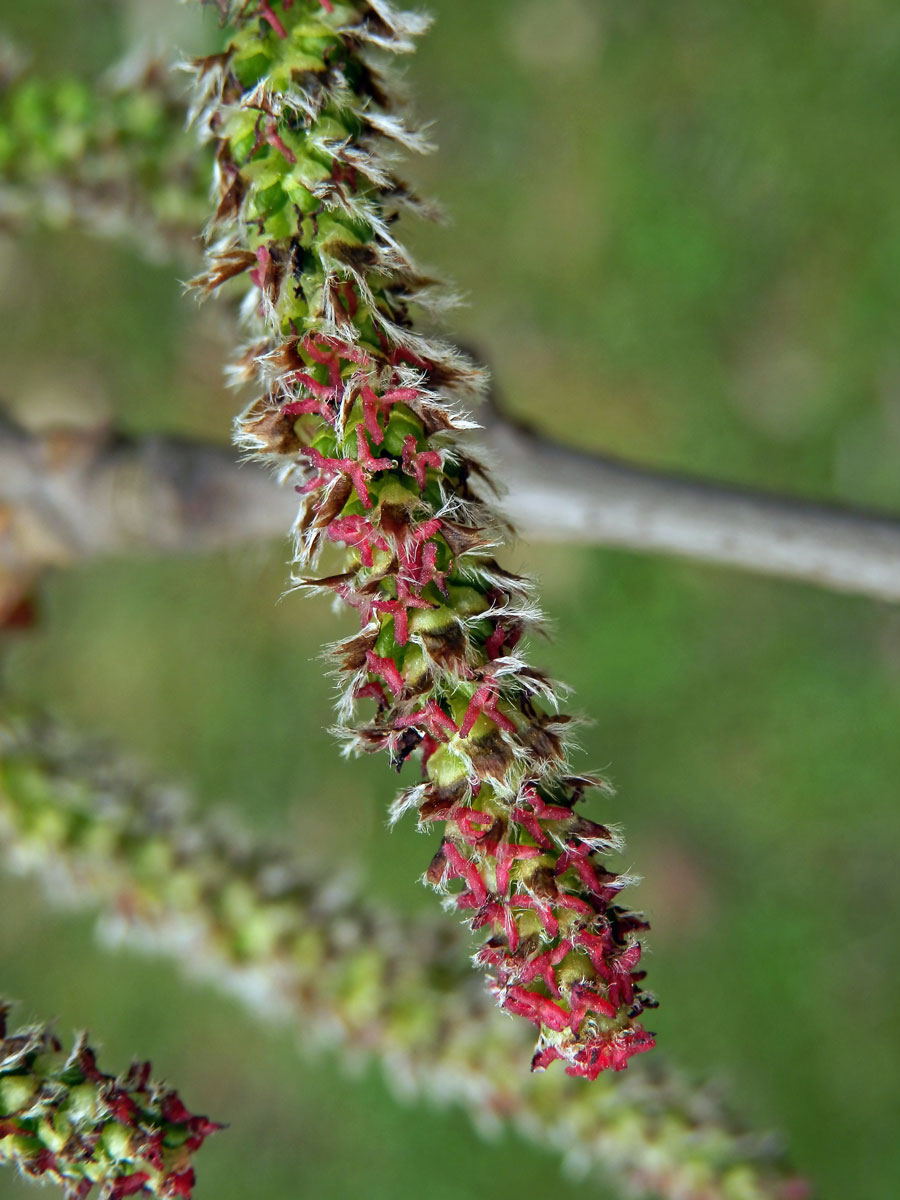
(678, 229)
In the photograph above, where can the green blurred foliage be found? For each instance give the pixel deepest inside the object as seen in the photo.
(678, 228)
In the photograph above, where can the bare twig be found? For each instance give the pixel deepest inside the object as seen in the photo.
(74, 495)
(558, 493)
(170, 496)
(79, 494)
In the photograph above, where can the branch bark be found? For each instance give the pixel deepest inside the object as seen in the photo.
(78, 494)
(75, 495)
(170, 496)
(558, 493)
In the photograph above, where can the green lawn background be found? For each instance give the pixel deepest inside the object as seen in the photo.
(678, 229)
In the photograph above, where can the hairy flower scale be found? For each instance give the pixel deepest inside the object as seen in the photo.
(366, 410)
(63, 1120)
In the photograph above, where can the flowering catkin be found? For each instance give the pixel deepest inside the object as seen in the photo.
(112, 157)
(306, 129)
(342, 969)
(64, 1121)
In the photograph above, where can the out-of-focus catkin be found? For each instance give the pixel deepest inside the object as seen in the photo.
(340, 969)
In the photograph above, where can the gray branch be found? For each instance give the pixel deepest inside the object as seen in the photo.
(557, 493)
(75, 495)
(80, 494)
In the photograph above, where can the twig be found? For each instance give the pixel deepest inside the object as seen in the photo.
(70, 496)
(556, 492)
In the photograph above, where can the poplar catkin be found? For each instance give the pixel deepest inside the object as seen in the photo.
(300, 106)
(112, 157)
(63, 1121)
(341, 970)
